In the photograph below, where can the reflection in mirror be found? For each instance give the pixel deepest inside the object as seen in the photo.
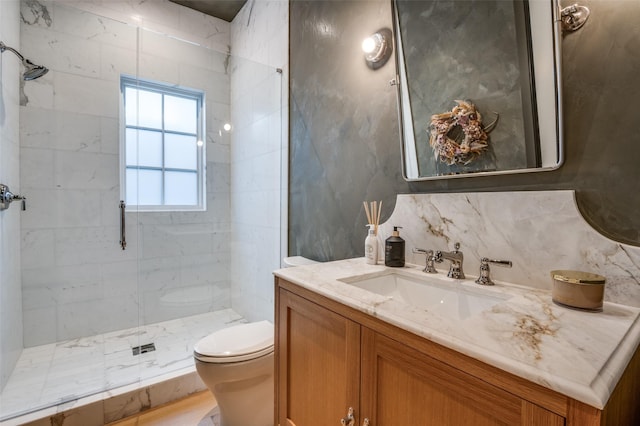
(478, 87)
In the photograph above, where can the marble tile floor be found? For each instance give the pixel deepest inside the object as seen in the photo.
(56, 373)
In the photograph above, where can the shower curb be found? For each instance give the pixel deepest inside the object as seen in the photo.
(116, 404)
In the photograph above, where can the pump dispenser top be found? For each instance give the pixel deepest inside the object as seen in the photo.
(394, 249)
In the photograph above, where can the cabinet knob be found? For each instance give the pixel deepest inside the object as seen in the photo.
(349, 420)
(365, 422)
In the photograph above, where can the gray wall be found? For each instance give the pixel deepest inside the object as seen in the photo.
(344, 130)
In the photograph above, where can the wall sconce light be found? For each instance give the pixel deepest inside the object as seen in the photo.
(377, 48)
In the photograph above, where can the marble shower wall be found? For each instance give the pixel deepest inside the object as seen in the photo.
(76, 279)
(344, 136)
(10, 286)
(258, 153)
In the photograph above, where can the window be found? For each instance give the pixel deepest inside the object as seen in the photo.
(163, 161)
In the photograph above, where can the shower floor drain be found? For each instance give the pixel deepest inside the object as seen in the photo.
(143, 349)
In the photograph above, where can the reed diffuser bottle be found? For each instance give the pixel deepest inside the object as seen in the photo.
(372, 210)
(371, 246)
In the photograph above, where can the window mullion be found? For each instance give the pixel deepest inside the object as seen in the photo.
(162, 194)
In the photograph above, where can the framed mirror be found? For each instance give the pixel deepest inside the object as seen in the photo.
(478, 87)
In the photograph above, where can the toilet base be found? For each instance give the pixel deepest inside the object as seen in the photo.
(212, 418)
(244, 390)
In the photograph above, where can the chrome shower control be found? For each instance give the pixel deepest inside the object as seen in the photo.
(7, 197)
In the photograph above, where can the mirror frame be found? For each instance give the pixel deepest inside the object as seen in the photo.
(546, 41)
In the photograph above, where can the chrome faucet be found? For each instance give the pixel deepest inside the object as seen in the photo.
(428, 267)
(455, 257)
(485, 277)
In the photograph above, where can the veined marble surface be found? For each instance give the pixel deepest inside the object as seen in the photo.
(539, 231)
(71, 375)
(579, 354)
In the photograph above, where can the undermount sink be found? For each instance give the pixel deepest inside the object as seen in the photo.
(442, 297)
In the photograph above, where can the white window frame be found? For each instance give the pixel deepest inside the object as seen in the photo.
(171, 90)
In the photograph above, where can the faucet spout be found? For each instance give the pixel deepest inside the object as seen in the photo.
(456, 257)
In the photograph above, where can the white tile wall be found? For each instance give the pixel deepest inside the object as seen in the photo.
(77, 281)
(10, 289)
(258, 153)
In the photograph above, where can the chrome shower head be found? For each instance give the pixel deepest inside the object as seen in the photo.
(32, 71)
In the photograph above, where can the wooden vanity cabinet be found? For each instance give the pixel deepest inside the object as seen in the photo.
(401, 386)
(330, 357)
(317, 363)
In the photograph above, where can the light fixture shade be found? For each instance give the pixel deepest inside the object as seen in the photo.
(377, 48)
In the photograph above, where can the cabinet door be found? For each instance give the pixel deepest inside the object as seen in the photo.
(318, 363)
(401, 386)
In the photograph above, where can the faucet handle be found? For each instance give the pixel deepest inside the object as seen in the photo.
(428, 267)
(456, 247)
(485, 278)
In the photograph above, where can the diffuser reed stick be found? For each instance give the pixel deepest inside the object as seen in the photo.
(366, 210)
(372, 210)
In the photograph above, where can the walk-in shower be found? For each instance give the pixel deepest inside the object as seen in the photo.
(94, 316)
(31, 70)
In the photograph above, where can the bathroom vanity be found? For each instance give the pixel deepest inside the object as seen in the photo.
(366, 339)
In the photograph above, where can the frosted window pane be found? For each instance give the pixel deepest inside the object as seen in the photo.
(144, 147)
(143, 108)
(132, 187)
(180, 152)
(150, 152)
(180, 114)
(149, 187)
(131, 148)
(181, 189)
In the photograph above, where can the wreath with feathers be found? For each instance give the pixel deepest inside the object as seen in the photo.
(472, 138)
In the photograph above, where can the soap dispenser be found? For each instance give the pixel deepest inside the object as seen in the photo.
(371, 246)
(394, 249)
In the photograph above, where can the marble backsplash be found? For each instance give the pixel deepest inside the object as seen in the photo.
(539, 231)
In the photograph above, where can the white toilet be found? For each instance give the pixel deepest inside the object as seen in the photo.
(237, 365)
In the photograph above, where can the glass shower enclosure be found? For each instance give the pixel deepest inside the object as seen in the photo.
(128, 238)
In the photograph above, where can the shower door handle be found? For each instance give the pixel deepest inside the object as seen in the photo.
(123, 239)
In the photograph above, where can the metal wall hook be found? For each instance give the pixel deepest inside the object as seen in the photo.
(574, 17)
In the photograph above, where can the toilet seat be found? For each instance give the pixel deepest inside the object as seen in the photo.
(242, 342)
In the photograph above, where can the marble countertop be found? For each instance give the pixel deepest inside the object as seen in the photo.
(579, 354)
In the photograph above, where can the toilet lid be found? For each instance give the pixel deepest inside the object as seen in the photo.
(238, 343)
